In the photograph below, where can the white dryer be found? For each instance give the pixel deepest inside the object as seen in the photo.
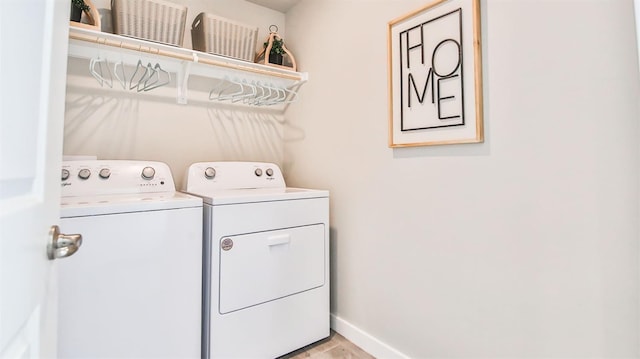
(266, 260)
(134, 290)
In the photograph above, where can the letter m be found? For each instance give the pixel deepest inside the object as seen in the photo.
(412, 84)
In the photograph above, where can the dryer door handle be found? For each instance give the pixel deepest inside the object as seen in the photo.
(279, 239)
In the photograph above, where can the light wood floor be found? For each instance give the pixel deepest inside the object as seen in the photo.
(333, 347)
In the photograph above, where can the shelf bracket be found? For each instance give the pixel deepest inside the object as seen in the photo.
(182, 80)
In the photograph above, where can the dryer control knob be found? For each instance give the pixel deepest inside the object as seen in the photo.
(65, 174)
(148, 173)
(210, 172)
(258, 172)
(269, 172)
(84, 174)
(105, 173)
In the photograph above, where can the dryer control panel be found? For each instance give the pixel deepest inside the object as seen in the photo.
(109, 177)
(207, 176)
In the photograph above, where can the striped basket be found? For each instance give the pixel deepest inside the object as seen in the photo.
(154, 20)
(220, 36)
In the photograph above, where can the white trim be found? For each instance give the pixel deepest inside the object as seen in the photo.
(364, 340)
(636, 5)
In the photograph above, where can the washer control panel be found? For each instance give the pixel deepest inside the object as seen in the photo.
(101, 177)
(203, 176)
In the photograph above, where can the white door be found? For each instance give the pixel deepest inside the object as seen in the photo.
(33, 57)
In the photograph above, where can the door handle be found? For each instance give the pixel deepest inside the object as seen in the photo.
(62, 245)
(279, 239)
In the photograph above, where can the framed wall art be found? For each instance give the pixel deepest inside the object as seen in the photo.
(435, 75)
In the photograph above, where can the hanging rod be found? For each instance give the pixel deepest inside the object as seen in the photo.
(192, 56)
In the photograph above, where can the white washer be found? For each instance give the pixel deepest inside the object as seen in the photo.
(133, 290)
(266, 260)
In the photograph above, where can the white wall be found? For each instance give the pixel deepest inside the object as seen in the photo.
(523, 246)
(123, 124)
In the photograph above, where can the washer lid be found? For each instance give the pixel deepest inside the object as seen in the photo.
(126, 203)
(237, 196)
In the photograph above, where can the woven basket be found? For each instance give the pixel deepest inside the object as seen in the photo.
(154, 20)
(220, 36)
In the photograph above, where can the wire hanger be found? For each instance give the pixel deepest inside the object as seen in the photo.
(139, 72)
(96, 70)
(231, 96)
(293, 93)
(246, 98)
(158, 82)
(149, 74)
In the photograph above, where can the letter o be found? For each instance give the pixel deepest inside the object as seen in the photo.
(435, 51)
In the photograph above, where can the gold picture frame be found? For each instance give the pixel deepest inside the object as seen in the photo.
(435, 75)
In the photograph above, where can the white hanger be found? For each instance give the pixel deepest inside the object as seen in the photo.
(97, 73)
(246, 97)
(259, 95)
(279, 96)
(158, 82)
(233, 95)
(215, 88)
(293, 99)
(149, 73)
(252, 93)
(140, 72)
(152, 78)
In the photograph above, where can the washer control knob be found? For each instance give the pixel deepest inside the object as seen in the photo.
(258, 172)
(105, 173)
(84, 174)
(269, 172)
(65, 174)
(210, 172)
(148, 173)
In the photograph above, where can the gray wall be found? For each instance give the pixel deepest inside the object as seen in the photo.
(523, 246)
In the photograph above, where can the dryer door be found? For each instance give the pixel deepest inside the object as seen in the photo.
(260, 267)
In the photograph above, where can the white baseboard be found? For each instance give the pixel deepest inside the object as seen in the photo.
(364, 340)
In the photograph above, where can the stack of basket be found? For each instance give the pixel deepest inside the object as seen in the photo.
(164, 22)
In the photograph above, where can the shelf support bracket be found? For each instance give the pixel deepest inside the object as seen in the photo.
(182, 80)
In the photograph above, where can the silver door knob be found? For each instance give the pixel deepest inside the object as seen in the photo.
(62, 245)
